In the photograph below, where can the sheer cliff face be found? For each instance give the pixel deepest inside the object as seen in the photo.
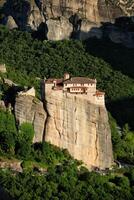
(59, 16)
(70, 122)
(30, 109)
(92, 10)
(82, 128)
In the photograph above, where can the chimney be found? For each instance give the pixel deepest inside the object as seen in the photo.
(66, 76)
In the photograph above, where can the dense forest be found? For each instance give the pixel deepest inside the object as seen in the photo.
(65, 182)
(28, 59)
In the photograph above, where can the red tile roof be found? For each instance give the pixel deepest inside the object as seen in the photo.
(73, 80)
(99, 93)
(80, 80)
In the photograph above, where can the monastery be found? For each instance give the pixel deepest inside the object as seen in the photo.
(80, 86)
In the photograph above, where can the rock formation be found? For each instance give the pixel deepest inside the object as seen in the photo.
(71, 122)
(14, 165)
(11, 24)
(79, 126)
(3, 68)
(2, 105)
(64, 19)
(29, 92)
(29, 109)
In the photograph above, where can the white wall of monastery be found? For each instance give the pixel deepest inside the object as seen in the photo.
(100, 100)
(68, 85)
(90, 85)
(90, 96)
(91, 89)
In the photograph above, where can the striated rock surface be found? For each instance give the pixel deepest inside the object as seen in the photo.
(30, 109)
(64, 19)
(71, 122)
(59, 29)
(79, 126)
(92, 10)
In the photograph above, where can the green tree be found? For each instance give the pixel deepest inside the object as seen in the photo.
(25, 138)
(8, 132)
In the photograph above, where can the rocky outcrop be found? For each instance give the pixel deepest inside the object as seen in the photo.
(11, 24)
(2, 105)
(29, 92)
(14, 165)
(64, 19)
(29, 109)
(79, 126)
(59, 29)
(71, 122)
(3, 68)
(92, 10)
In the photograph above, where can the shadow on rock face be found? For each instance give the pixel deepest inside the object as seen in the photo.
(19, 10)
(76, 21)
(116, 44)
(41, 33)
